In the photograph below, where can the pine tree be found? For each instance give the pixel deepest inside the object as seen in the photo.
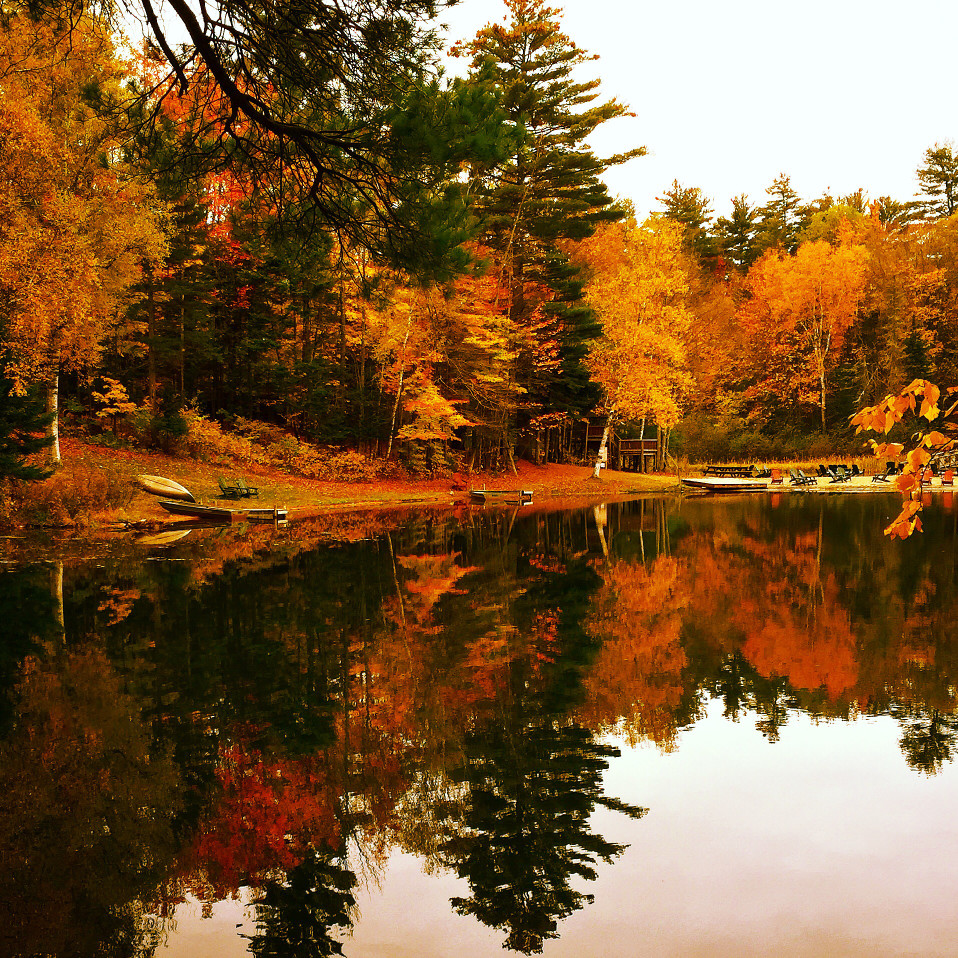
(780, 221)
(22, 423)
(691, 207)
(737, 236)
(547, 191)
(938, 179)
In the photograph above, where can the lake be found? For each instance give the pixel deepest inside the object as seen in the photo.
(702, 726)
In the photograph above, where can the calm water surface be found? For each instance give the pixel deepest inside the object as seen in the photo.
(700, 727)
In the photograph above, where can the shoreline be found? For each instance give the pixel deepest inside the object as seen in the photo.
(554, 486)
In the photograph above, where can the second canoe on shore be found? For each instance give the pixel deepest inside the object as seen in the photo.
(158, 486)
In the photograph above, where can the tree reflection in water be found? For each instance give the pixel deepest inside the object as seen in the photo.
(271, 716)
(525, 833)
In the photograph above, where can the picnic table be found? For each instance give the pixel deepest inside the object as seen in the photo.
(734, 471)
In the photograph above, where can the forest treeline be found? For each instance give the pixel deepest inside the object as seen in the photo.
(296, 229)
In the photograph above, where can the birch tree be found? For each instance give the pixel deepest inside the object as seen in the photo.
(639, 290)
(75, 226)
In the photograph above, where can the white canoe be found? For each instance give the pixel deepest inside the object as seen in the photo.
(726, 483)
(158, 486)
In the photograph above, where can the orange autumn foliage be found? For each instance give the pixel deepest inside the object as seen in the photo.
(267, 813)
(798, 313)
(636, 681)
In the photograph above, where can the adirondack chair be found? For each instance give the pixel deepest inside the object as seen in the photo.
(244, 489)
(890, 471)
(777, 477)
(809, 480)
(229, 490)
(948, 477)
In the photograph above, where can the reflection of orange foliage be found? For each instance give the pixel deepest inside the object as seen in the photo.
(119, 604)
(637, 676)
(266, 814)
(435, 576)
(823, 656)
(786, 607)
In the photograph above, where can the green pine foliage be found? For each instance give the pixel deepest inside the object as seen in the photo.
(549, 190)
(780, 220)
(22, 424)
(737, 235)
(938, 180)
(692, 208)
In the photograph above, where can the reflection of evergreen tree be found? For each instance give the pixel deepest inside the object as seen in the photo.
(28, 614)
(732, 684)
(773, 699)
(928, 737)
(296, 918)
(526, 830)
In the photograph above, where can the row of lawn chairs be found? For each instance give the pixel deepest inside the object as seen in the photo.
(892, 469)
(833, 473)
(839, 473)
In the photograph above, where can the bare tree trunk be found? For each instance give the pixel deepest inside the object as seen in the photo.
(151, 340)
(183, 346)
(53, 409)
(507, 448)
(821, 377)
(402, 370)
(342, 343)
(602, 458)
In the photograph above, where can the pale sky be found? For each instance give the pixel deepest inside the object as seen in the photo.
(838, 94)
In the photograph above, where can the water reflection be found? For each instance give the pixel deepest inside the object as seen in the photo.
(269, 716)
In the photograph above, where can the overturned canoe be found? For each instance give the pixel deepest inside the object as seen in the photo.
(158, 486)
(726, 484)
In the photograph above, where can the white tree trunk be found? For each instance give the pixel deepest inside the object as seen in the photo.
(603, 457)
(53, 408)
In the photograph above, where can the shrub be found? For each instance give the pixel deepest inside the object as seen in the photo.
(74, 494)
(163, 431)
(206, 441)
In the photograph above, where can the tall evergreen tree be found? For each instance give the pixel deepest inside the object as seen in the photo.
(938, 179)
(22, 424)
(780, 219)
(689, 206)
(548, 190)
(736, 236)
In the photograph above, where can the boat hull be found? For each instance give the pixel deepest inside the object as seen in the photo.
(511, 496)
(158, 486)
(196, 511)
(218, 514)
(726, 484)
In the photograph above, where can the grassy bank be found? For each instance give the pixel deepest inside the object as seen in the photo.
(95, 487)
